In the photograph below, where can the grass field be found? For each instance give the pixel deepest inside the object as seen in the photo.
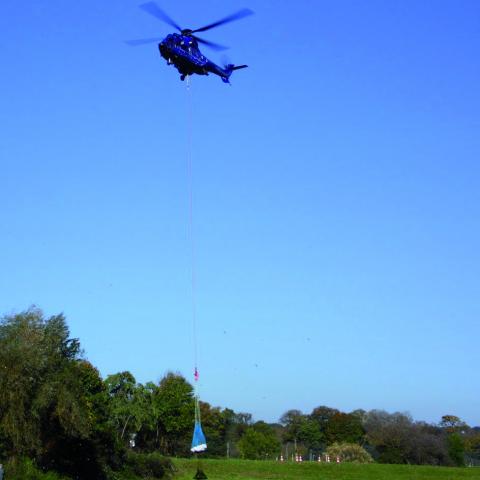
(255, 470)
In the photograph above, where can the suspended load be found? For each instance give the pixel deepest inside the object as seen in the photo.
(199, 442)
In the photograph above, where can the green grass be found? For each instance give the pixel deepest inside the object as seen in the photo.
(255, 470)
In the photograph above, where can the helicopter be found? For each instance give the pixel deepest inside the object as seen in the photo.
(182, 50)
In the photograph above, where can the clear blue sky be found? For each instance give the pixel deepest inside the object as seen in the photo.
(336, 191)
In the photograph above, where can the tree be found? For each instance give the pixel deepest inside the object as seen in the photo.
(390, 435)
(456, 449)
(311, 436)
(127, 403)
(395, 438)
(259, 442)
(344, 428)
(314, 429)
(175, 402)
(231, 426)
(87, 456)
(426, 445)
(472, 446)
(148, 437)
(293, 421)
(53, 407)
(165, 415)
(214, 426)
(455, 427)
(452, 423)
(241, 421)
(38, 387)
(235, 425)
(322, 415)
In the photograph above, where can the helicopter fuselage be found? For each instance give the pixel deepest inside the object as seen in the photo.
(183, 52)
(181, 49)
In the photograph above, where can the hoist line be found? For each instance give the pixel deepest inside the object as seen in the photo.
(192, 239)
(199, 442)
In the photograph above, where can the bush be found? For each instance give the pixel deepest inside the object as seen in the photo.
(349, 452)
(25, 469)
(141, 465)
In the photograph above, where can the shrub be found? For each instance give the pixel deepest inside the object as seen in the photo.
(151, 465)
(349, 452)
(25, 469)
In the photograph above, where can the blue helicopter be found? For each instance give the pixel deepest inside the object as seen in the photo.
(181, 49)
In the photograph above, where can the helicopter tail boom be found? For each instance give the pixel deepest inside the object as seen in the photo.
(229, 69)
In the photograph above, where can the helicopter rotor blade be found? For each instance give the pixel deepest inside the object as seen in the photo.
(153, 9)
(142, 41)
(213, 46)
(234, 16)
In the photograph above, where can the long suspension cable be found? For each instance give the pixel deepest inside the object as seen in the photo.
(192, 236)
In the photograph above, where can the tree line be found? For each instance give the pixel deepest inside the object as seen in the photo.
(384, 437)
(59, 413)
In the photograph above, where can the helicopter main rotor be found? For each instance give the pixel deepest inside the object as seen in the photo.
(153, 9)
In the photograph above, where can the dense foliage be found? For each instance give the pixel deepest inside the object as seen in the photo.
(349, 452)
(58, 415)
(387, 437)
(259, 442)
